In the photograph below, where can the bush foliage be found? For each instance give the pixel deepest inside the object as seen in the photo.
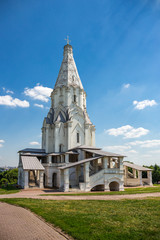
(9, 178)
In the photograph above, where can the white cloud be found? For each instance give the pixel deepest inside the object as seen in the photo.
(13, 102)
(132, 151)
(34, 143)
(39, 93)
(143, 104)
(155, 151)
(127, 131)
(39, 105)
(1, 141)
(127, 85)
(117, 148)
(9, 91)
(146, 143)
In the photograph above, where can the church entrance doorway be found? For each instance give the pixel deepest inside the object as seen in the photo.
(33, 178)
(54, 180)
(114, 186)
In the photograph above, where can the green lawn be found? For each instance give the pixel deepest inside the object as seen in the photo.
(156, 188)
(5, 191)
(100, 220)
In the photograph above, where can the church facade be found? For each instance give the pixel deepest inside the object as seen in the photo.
(69, 159)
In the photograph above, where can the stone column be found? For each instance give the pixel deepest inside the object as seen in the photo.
(140, 177)
(96, 165)
(134, 173)
(49, 175)
(86, 176)
(49, 159)
(77, 171)
(66, 180)
(41, 175)
(105, 167)
(126, 172)
(149, 176)
(66, 158)
(62, 180)
(110, 163)
(105, 162)
(121, 163)
(26, 179)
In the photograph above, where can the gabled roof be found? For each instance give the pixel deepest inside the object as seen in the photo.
(31, 163)
(137, 167)
(68, 74)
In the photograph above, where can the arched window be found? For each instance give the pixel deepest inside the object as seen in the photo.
(75, 98)
(77, 137)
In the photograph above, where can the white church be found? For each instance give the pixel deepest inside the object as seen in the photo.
(69, 159)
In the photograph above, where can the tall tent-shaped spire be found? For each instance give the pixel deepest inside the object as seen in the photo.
(68, 74)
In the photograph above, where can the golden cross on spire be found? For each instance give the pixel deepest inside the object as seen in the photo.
(67, 39)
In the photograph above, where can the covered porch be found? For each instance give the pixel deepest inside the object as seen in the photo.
(135, 175)
(31, 172)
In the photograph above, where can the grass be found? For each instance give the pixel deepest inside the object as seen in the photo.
(5, 191)
(100, 220)
(156, 188)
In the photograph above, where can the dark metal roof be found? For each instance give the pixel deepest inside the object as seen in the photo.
(33, 150)
(34, 154)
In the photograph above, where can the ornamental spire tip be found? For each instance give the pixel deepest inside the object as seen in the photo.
(67, 39)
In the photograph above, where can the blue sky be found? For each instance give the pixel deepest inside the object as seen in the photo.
(116, 48)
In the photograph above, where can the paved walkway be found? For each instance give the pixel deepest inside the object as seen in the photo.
(17, 223)
(36, 195)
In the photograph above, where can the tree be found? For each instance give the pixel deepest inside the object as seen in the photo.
(156, 174)
(9, 177)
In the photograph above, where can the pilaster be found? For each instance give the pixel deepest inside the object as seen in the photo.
(26, 179)
(41, 175)
(149, 176)
(69, 123)
(86, 176)
(140, 177)
(66, 180)
(57, 125)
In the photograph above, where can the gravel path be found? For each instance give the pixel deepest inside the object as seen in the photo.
(17, 223)
(36, 195)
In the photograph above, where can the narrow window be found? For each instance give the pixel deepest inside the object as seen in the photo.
(77, 137)
(60, 148)
(74, 98)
